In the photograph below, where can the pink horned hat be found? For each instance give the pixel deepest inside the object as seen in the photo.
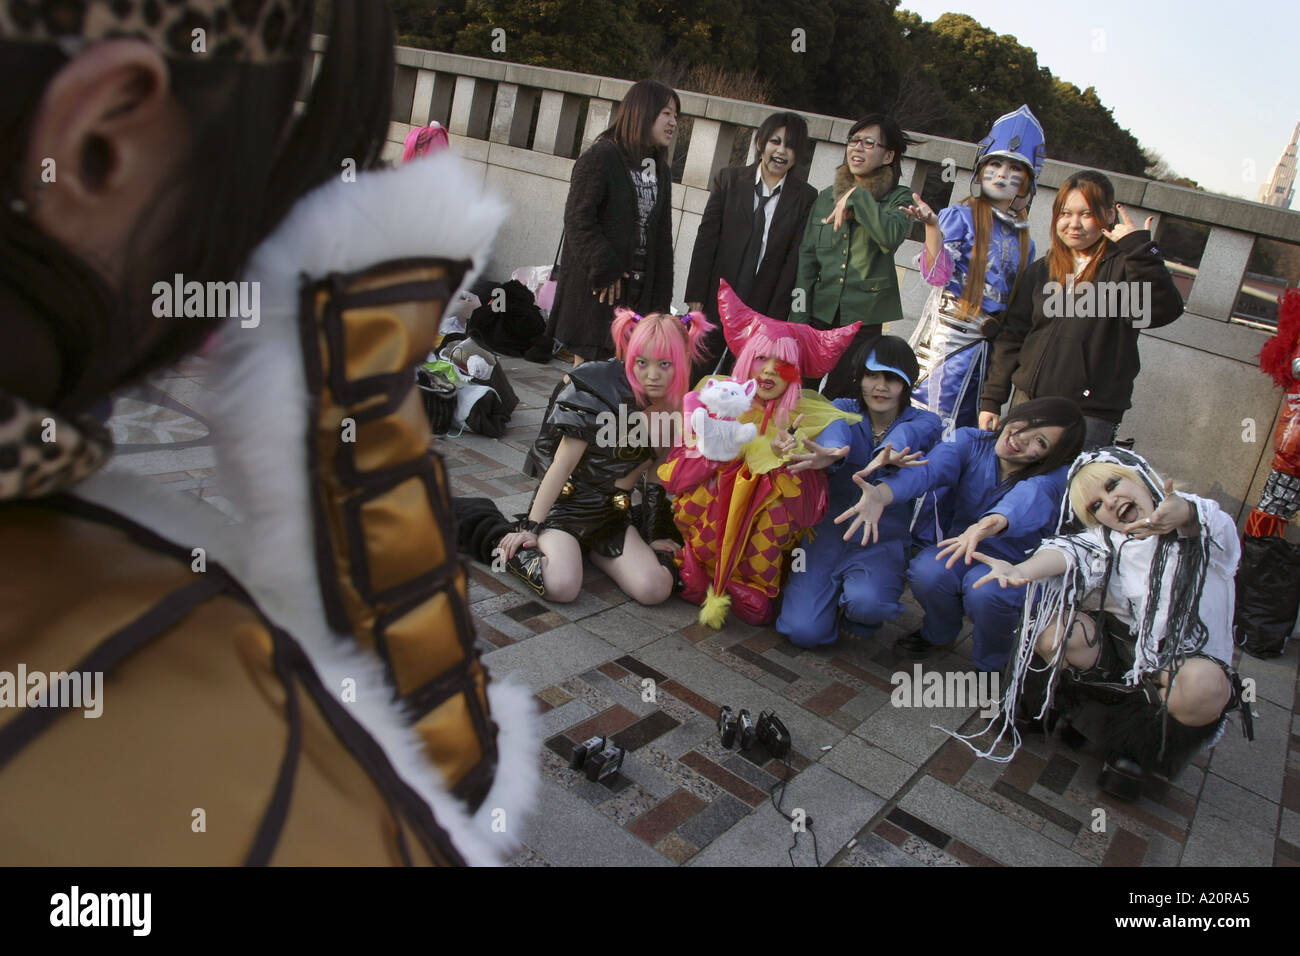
(819, 350)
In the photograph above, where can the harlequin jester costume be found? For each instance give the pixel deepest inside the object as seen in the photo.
(739, 519)
(951, 340)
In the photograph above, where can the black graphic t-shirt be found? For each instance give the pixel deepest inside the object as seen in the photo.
(646, 185)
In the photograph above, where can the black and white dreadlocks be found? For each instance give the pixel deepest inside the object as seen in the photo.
(1171, 629)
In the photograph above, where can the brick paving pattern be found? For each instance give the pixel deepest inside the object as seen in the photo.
(882, 786)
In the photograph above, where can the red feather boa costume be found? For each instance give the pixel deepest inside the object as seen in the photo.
(1280, 358)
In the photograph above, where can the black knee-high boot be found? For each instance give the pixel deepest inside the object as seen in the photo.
(1141, 736)
(479, 527)
(1032, 694)
(1055, 721)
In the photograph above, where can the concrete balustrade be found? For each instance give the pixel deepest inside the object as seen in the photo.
(1223, 264)
(557, 123)
(512, 114)
(600, 114)
(709, 152)
(470, 107)
(1199, 381)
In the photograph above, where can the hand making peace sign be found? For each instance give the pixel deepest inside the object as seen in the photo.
(785, 441)
(1125, 225)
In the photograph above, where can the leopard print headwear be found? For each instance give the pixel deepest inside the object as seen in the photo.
(250, 31)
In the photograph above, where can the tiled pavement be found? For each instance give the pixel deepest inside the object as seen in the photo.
(880, 785)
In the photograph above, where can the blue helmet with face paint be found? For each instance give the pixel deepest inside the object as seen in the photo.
(1017, 136)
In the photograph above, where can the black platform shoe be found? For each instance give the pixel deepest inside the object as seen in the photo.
(1069, 736)
(670, 565)
(1121, 777)
(527, 565)
(914, 647)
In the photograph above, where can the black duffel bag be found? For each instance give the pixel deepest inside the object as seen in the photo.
(1268, 594)
(439, 400)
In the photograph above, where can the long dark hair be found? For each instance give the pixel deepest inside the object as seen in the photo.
(636, 118)
(1038, 413)
(972, 296)
(247, 164)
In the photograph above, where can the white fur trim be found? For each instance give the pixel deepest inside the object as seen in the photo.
(432, 207)
(518, 739)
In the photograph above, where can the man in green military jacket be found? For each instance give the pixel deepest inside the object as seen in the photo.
(846, 260)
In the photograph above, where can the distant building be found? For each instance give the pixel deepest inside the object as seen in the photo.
(1281, 188)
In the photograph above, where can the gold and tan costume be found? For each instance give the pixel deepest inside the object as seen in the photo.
(301, 687)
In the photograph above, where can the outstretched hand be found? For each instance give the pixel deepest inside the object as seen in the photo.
(1125, 225)
(886, 457)
(865, 515)
(1003, 572)
(818, 456)
(921, 211)
(1170, 515)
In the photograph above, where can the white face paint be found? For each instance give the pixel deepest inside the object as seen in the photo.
(777, 157)
(1001, 180)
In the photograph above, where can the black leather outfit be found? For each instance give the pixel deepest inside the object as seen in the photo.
(590, 508)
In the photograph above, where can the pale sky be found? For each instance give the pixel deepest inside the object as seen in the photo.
(1213, 87)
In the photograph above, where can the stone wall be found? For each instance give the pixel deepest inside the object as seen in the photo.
(1199, 387)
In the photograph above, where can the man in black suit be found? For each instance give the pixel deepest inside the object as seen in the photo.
(751, 229)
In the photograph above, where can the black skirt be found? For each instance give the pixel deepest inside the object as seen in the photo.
(599, 521)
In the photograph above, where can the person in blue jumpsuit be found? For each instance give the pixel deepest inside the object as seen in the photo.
(1004, 493)
(841, 581)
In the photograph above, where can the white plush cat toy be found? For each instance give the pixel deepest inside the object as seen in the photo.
(720, 437)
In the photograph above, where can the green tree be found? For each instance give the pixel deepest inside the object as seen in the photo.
(961, 76)
(588, 36)
(865, 66)
(1082, 130)
(979, 74)
(795, 44)
(693, 33)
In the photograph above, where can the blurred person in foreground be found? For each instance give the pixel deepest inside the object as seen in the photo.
(302, 687)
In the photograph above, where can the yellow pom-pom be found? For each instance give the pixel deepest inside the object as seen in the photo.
(713, 612)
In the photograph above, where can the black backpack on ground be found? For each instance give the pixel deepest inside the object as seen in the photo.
(518, 329)
(1268, 594)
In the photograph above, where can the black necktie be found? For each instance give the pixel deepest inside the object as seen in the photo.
(749, 261)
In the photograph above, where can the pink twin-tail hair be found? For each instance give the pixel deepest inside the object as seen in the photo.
(660, 336)
(424, 140)
(786, 348)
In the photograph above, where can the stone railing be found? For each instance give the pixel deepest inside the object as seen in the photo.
(1201, 410)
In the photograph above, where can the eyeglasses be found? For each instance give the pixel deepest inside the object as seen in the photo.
(863, 142)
